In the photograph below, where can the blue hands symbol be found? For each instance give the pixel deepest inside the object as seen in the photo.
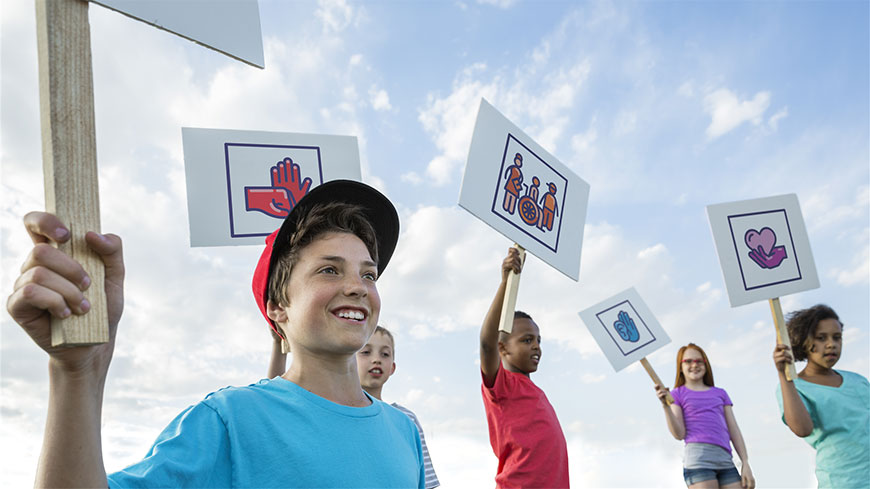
(626, 328)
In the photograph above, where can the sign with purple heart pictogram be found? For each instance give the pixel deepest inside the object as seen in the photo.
(242, 184)
(763, 248)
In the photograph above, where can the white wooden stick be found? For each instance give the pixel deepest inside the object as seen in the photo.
(782, 335)
(69, 153)
(509, 304)
(652, 373)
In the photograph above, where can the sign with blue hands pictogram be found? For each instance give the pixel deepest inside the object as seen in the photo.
(242, 184)
(524, 192)
(763, 248)
(624, 328)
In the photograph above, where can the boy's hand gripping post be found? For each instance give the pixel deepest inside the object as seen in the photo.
(655, 378)
(69, 153)
(506, 323)
(782, 335)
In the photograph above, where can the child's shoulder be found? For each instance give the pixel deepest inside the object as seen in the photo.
(857, 378)
(235, 394)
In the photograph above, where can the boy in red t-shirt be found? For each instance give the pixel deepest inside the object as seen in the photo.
(524, 431)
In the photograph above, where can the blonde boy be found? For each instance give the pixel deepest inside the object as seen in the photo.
(303, 429)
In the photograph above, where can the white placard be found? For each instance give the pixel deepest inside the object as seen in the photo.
(763, 248)
(624, 328)
(242, 184)
(231, 27)
(524, 192)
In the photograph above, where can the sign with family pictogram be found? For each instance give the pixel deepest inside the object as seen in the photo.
(626, 331)
(764, 252)
(524, 192)
(242, 184)
(66, 101)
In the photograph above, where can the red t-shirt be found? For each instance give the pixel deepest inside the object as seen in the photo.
(525, 434)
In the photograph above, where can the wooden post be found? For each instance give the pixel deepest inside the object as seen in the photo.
(69, 154)
(782, 335)
(655, 378)
(509, 304)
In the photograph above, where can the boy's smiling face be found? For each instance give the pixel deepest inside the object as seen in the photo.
(332, 298)
(521, 351)
(375, 362)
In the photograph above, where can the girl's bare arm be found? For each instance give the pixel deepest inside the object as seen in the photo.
(796, 416)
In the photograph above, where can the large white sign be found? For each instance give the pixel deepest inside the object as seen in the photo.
(763, 248)
(524, 192)
(242, 184)
(231, 27)
(624, 328)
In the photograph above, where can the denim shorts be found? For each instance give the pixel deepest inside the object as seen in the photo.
(724, 476)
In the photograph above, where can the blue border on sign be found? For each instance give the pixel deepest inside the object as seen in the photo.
(615, 341)
(737, 249)
(498, 186)
(230, 185)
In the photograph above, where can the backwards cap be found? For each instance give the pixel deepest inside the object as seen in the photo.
(375, 206)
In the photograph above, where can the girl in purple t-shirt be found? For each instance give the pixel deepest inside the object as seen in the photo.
(701, 415)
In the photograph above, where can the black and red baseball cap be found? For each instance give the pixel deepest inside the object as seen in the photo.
(379, 211)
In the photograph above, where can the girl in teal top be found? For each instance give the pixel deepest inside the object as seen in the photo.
(828, 408)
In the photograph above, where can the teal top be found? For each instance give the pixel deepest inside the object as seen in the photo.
(841, 429)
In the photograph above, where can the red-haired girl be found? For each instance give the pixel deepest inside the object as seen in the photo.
(702, 416)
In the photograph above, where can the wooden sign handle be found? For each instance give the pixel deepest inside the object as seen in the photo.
(69, 153)
(652, 373)
(509, 304)
(782, 335)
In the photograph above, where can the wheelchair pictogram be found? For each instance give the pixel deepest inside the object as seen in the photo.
(533, 212)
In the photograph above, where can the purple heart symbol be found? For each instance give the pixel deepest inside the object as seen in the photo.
(764, 239)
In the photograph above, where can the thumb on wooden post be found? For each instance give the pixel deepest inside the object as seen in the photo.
(509, 304)
(782, 337)
(652, 373)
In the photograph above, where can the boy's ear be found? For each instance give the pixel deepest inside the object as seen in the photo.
(502, 349)
(276, 313)
(393, 370)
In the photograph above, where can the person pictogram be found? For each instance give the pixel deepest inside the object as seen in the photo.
(550, 208)
(514, 184)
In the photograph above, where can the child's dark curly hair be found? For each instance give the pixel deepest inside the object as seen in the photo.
(802, 326)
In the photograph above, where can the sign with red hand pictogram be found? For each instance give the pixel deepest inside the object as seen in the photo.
(242, 184)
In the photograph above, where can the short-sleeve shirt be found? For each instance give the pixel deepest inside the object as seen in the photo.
(704, 415)
(277, 434)
(841, 429)
(431, 477)
(525, 433)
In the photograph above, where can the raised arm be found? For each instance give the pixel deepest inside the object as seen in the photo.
(673, 414)
(747, 479)
(489, 358)
(278, 360)
(796, 416)
(51, 284)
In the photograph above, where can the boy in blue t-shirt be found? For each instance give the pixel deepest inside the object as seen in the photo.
(312, 427)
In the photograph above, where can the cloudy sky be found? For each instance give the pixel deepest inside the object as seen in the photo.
(663, 107)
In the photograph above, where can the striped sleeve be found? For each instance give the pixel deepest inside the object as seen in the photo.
(431, 478)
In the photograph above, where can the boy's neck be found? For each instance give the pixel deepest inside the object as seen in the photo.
(334, 380)
(374, 392)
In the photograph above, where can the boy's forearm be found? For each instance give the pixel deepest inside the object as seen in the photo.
(72, 447)
(489, 328)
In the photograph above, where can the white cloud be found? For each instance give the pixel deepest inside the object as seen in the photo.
(728, 112)
(773, 122)
(379, 98)
(503, 4)
(336, 15)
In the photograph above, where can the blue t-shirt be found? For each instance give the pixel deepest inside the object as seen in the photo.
(277, 434)
(841, 429)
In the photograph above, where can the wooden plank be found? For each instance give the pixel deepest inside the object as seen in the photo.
(509, 304)
(782, 335)
(66, 106)
(652, 373)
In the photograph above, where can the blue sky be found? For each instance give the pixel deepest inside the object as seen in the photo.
(663, 107)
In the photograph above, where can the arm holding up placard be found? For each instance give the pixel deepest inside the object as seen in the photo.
(50, 286)
(794, 412)
(673, 413)
(512, 265)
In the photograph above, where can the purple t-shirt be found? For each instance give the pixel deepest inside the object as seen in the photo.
(704, 415)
